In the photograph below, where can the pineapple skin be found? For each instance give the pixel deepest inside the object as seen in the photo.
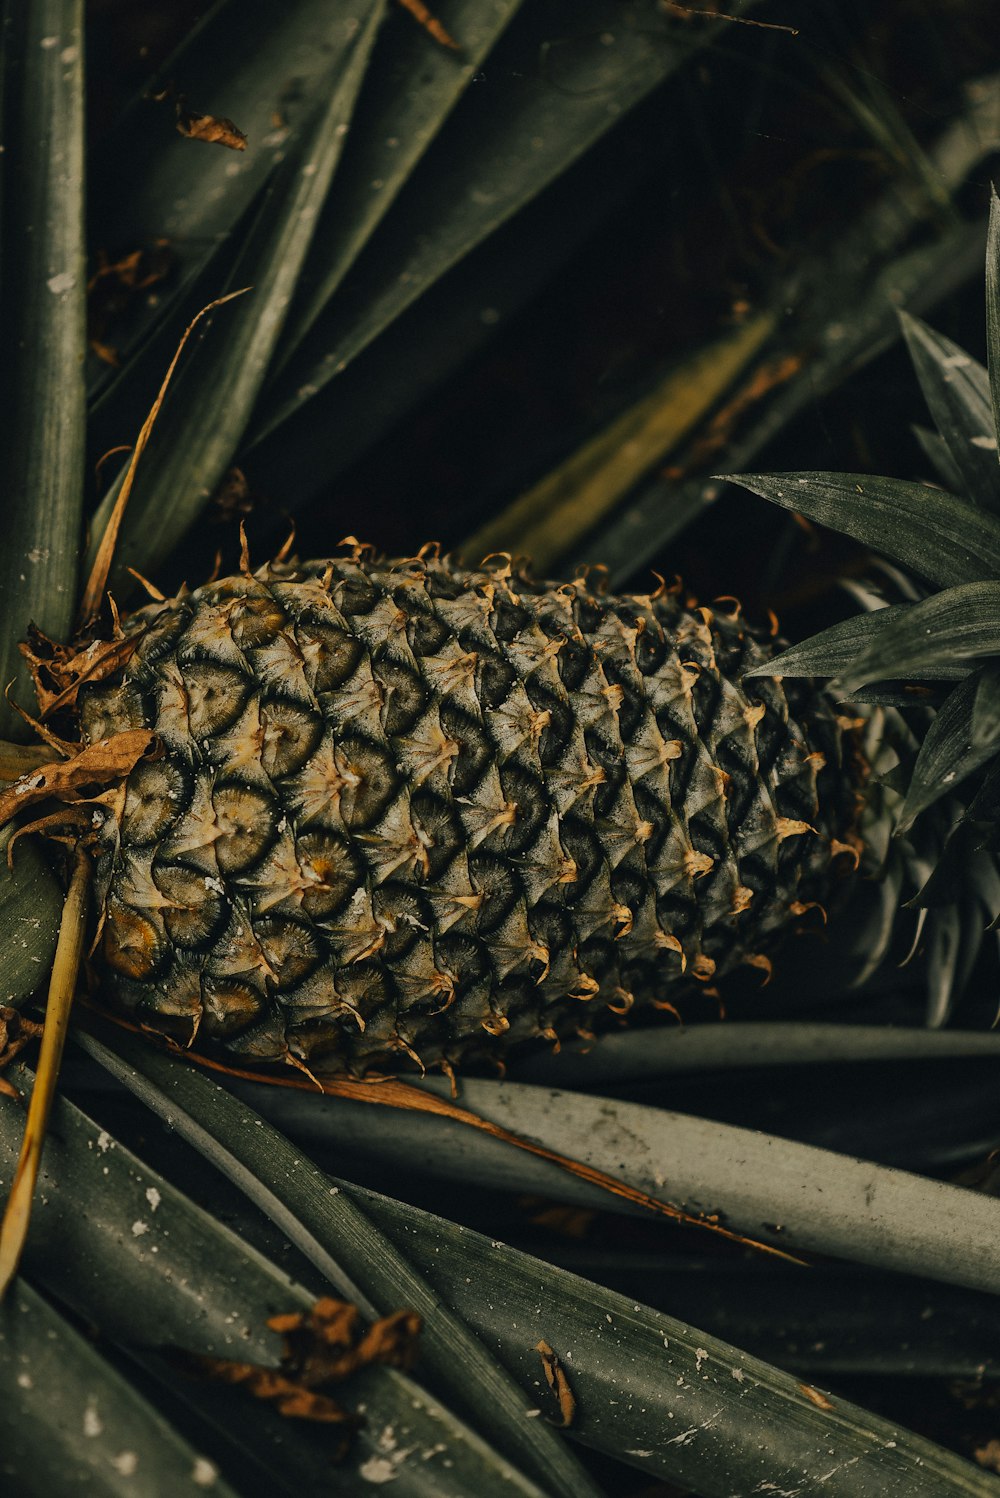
(410, 810)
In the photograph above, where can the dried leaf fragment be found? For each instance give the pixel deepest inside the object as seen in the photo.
(323, 1346)
(213, 129)
(430, 23)
(558, 1383)
(99, 765)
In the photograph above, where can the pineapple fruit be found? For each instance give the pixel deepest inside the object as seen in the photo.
(409, 810)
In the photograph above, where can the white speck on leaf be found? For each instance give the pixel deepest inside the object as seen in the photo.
(139, 1227)
(104, 1141)
(61, 283)
(204, 1472)
(153, 1197)
(125, 1462)
(92, 1423)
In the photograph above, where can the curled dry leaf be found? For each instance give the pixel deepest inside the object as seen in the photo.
(323, 1346)
(59, 671)
(107, 763)
(555, 1377)
(214, 129)
(16, 1032)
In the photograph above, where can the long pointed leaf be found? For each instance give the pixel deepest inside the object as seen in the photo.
(581, 73)
(343, 1243)
(209, 406)
(409, 92)
(696, 1411)
(264, 66)
(933, 534)
(832, 650)
(648, 1054)
(993, 304)
(957, 391)
(42, 316)
(30, 907)
(958, 625)
(949, 753)
(678, 1379)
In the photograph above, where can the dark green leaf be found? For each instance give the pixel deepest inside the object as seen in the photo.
(132, 1255)
(833, 649)
(936, 450)
(42, 316)
(410, 90)
(957, 391)
(70, 1422)
(959, 625)
(267, 68)
(207, 410)
(638, 1054)
(993, 304)
(677, 1377)
(949, 753)
(30, 908)
(578, 74)
(933, 534)
(986, 708)
(697, 1412)
(343, 1244)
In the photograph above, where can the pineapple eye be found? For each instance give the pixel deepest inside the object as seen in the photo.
(216, 695)
(198, 909)
(246, 820)
(291, 949)
(157, 793)
(475, 753)
(255, 619)
(493, 878)
(405, 695)
(436, 823)
(133, 946)
(335, 871)
(494, 677)
(371, 781)
(330, 653)
(291, 734)
(229, 1006)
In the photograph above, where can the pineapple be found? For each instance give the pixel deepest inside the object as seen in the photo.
(409, 810)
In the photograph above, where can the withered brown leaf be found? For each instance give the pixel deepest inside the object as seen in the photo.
(106, 763)
(323, 1346)
(557, 1381)
(211, 128)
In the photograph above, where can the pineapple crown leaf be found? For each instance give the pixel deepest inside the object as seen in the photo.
(957, 391)
(948, 630)
(941, 538)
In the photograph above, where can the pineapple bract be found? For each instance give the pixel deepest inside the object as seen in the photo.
(407, 809)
